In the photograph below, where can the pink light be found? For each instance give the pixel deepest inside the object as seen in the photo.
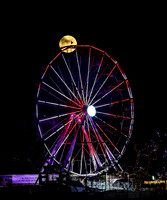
(107, 138)
(115, 102)
(117, 86)
(120, 116)
(112, 71)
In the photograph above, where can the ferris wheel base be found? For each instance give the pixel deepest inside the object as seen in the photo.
(54, 167)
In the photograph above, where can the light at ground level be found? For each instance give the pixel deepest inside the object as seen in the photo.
(91, 110)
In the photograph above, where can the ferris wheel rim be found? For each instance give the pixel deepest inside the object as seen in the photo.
(87, 101)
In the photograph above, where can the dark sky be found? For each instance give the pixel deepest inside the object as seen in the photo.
(135, 35)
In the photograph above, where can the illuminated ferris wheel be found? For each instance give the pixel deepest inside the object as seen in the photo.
(85, 110)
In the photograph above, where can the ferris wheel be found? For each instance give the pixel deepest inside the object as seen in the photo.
(85, 111)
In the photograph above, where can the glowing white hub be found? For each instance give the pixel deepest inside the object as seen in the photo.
(91, 110)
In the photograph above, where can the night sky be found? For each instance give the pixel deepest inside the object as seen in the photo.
(135, 35)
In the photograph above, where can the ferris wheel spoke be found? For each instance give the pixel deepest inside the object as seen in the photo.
(102, 141)
(56, 84)
(114, 115)
(64, 139)
(81, 161)
(64, 132)
(114, 102)
(59, 92)
(69, 90)
(67, 160)
(95, 78)
(107, 138)
(85, 163)
(108, 92)
(87, 79)
(71, 76)
(103, 84)
(82, 153)
(108, 152)
(110, 126)
(60, 138)
(71, 149)
(61, 75)
(64, 125)
(80, 77)
(93, 153)
(57, 104)
(96, 134)
(51, 94)
(57, 116)
(54, 126)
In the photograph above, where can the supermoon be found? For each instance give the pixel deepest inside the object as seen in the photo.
(65, 43)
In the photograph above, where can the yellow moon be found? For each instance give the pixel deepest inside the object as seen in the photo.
(65, 43)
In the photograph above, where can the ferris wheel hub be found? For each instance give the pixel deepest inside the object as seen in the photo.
(91, 110)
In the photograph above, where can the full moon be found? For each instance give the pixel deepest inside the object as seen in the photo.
(65, 43)
(91, 110)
